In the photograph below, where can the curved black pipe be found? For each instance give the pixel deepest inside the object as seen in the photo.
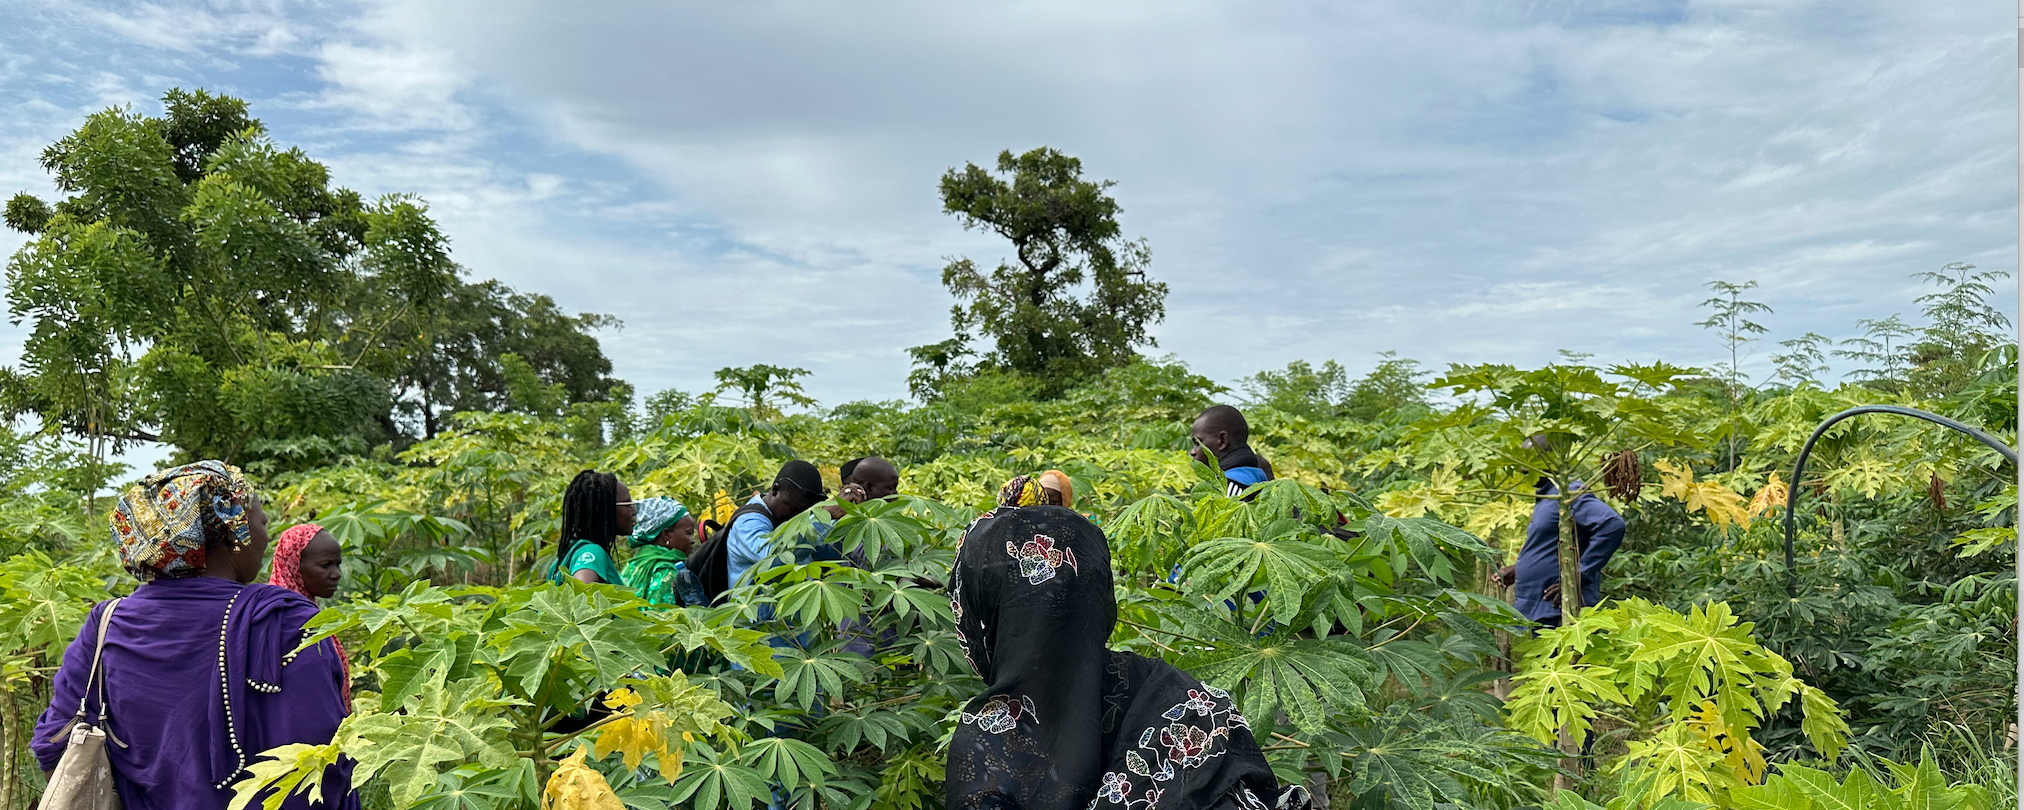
(1799, 466)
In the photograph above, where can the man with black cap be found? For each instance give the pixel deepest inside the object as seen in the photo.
(747, 541)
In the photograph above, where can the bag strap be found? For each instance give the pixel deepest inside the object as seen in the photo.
(98, 650)
(97, 678)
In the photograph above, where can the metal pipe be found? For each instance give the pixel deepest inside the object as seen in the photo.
(1799, 466)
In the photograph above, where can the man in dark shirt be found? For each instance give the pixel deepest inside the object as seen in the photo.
(1221, 432)
(1535, 578)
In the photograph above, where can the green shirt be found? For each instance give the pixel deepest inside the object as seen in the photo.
(588, 554)
(651, 573)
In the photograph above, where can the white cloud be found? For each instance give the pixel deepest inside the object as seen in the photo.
(394, 89)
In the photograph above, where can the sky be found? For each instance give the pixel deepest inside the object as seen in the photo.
(755, 182)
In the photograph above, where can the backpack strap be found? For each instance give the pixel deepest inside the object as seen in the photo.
(714, 558)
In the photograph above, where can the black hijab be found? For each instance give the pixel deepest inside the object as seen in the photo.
(1063, 722)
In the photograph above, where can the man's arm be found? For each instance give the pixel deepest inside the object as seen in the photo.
(748, 543)
(1604, 529)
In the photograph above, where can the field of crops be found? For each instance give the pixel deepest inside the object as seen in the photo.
(1378, 657)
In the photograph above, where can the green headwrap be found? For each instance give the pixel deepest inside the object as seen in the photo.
(653, 516)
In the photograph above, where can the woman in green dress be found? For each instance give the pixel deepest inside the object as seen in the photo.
(661, 540)
(596, 509)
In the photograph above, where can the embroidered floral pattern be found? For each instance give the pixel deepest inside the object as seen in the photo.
(1116, 787)
(1001, 714)
(1039, 559)
(1199, 733)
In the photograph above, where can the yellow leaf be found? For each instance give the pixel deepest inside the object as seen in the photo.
(1723, 506)
(621, 699)
(1743, 755)
(1770, 496)
(721, 508)
(576, 786)
(633, 735)
(1507, 513)
(1674, 478)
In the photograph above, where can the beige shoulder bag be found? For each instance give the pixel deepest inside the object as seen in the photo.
(83, 778)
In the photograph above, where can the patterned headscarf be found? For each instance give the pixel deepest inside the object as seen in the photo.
(164, 523)
(286, 571)
(1023, 490)
(654, 516)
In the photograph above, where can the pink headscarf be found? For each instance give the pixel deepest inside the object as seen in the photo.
(286, 571)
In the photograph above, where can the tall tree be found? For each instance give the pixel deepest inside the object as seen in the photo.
(1074, 299)
(1882, 351)
(201, 285)
(1804, 359)
(1731, 319)
(1960, 328)
(762, 387)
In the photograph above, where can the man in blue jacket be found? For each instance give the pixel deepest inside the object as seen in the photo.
(1223, 440)
(1535, 578)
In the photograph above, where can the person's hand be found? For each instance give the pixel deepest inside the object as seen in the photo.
(854, 493)
(1506, 575)
(1552, 593)
(835, 512)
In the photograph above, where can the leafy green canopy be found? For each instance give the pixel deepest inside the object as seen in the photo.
(201, 285)
(1075, 299)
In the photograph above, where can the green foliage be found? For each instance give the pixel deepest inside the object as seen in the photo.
(1064, 234)
(759, 383)
(203, 286)
(1902, 787)
(1686, 690)
(1393, 387)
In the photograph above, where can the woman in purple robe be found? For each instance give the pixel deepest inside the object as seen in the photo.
(200, 670)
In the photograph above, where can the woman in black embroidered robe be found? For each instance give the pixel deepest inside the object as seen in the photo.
(1065, 723)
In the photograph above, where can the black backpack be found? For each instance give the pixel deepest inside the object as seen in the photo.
(712, 561)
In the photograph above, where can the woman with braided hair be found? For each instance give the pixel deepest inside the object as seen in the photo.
(596, 509)
(199, 672)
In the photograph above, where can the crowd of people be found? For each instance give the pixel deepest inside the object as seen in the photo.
(198, 670)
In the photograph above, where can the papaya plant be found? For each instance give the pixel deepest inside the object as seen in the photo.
(1683, 691)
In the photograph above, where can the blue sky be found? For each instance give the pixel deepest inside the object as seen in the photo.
(1458, 182)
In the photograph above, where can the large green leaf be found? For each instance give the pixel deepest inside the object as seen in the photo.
(1286, 568)
(439, 728)
(710, 781)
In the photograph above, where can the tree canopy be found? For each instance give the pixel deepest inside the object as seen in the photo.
(202, 285)
(1074, 300)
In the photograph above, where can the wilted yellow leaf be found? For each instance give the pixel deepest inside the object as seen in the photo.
(576, 786)
(621, 699)
(1723, 506)
(1770, 496)
(721, 508)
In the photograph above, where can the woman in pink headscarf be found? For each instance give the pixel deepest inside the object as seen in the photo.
(308, 561)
